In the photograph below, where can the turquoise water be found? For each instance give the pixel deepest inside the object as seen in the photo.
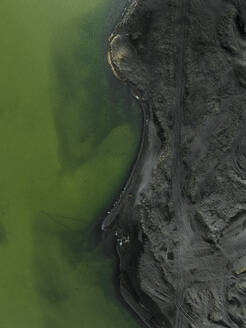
(67, 139)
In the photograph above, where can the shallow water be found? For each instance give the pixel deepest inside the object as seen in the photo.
(67, 139)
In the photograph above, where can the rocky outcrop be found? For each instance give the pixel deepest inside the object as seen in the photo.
(180, 224)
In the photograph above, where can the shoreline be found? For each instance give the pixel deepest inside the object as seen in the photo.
(109, 223)
(114, 209)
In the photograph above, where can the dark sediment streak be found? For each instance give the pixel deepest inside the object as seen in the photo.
(180, 223)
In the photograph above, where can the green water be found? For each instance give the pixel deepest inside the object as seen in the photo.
(67, 139)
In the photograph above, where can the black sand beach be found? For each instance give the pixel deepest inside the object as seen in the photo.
(179, 224)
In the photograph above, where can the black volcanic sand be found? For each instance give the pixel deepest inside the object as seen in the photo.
(180, 224)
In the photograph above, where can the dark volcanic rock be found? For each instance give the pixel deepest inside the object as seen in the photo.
(180, 224)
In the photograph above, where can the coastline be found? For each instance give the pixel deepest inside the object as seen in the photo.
(115, 208)
(110, 225)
